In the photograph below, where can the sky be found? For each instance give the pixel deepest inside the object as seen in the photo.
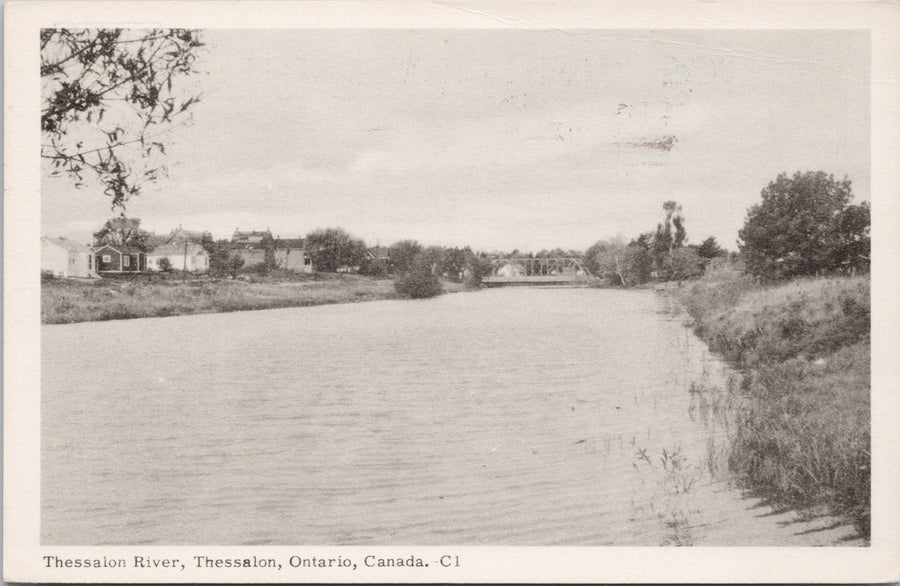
(498, 139)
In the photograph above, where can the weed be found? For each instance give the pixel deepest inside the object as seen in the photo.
(798, 418)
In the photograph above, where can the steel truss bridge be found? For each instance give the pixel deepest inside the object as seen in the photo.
(538, 271)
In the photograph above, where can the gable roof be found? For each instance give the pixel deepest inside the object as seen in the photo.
(154, 240)
(379, 252)
(120, 249)
(69, 245)
(181, 235)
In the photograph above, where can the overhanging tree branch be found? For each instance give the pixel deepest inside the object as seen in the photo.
(111, 85)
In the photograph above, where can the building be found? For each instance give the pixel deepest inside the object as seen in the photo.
(178, 234)
(250, 238)
(182, 256)
(62, 257)
(379, 254)
(253, 247)
(119, 259)
(290, 254)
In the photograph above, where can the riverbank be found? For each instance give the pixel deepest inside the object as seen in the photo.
(71, 301)
(803, 440)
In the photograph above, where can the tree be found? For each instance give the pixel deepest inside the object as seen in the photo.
(122, 231)
(333, 248)
(805, 225)
(233, 265)
(403, 255)
(455, 261)
(107, 96)
(605, 259)
(621, 264)
(664, 240)
(683, 263)
(709, 248)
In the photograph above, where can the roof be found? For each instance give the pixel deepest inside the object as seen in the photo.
(69, 245)
(180, 235)
(154, 240)
(379, 252)
(290, 243)
(250, 236)
(176, 248)
(122, 249)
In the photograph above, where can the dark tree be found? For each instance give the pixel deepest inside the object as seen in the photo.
(122, 231)
(403, 255)
(107, 97)
(419, 282)
(455, 261)
(805, 225)
(333, 248)
(709, 248)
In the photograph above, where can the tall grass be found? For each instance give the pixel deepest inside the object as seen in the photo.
(802, 436)
(67, 301)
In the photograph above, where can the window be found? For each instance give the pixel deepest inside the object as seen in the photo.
(107, 258)
(72, 261)
(90, 262)
(126, 260)
(307, 261)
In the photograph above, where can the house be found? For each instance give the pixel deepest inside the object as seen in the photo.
(250, 238)
(253, 247)
(66, 258)
(181, 255)
(120, 259)
(290, 254)
(179, 235)
(379, 254)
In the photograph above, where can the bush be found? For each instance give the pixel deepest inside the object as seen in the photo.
(258, 269)
(165, 265)
(418, 283)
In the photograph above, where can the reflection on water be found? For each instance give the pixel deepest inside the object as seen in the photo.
(502, 417)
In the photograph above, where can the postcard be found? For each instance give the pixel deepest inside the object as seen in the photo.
(451, 292)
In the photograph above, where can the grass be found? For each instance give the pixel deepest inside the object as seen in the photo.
(802, 436)
(70, 301)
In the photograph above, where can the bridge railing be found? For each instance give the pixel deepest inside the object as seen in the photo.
(540, 267)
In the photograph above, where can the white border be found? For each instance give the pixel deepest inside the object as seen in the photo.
(22, 552)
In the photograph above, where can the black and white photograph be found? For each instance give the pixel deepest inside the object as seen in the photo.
(396, 291)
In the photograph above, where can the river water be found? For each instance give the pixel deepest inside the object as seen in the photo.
(522, 416)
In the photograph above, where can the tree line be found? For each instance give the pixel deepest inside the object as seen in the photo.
(804, 225)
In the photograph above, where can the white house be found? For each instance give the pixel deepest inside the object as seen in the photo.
(66, 258)
(182, 256)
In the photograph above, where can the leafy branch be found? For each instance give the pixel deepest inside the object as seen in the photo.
(102, 92)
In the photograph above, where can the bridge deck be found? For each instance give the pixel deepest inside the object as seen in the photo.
(535, 280)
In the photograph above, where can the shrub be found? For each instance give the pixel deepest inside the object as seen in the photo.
(418, 283)
(258, 269)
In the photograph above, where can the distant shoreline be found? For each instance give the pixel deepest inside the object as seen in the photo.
(65, 301)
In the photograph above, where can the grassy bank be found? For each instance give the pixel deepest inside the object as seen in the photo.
(69, 301)
(803, 439)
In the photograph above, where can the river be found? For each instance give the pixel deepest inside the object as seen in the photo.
(518, 416)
